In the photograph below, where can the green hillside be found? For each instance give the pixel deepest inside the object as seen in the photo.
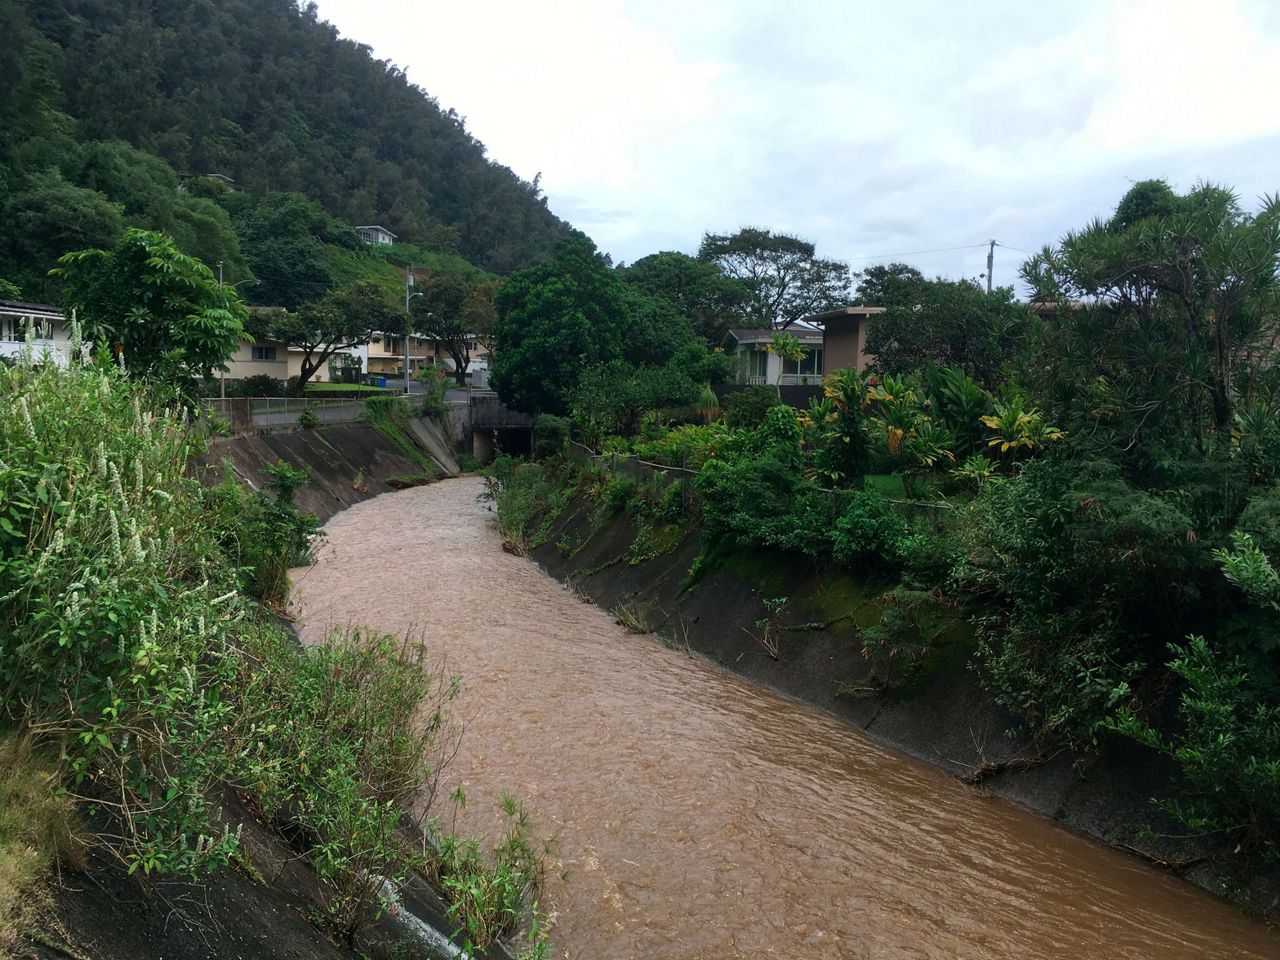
(114, 113)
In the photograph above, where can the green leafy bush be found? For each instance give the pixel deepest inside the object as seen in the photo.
(1087, 572)
(529, 497)
(491, 892)
(1228, 747)
(691, 445)
(747, 407)
(260, 385)
(869, 533)
(552, 435)
(119, 622)
(264, 536)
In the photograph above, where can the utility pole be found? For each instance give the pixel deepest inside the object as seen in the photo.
(991, 262)
(408, 285)
(223, 377)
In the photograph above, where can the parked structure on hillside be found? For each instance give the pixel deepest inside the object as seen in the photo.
(374, 234)
(757, 364)
(52, 333)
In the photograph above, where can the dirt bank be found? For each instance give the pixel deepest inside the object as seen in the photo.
(943, 716)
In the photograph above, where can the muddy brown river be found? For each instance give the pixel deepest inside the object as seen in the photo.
(697, 816)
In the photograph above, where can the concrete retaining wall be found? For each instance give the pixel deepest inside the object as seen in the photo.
(942, 716)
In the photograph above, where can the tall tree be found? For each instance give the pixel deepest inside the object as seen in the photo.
(697, 289)
(553, 321)
(887, 284)
(455, 310)
(945, 323)
(163, 312)
(1182, 294)
(787, 279)
(338, 321)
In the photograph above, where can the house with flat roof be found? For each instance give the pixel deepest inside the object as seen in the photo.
(52, 335)
(844, 336)
(374, 234)
(758, 365)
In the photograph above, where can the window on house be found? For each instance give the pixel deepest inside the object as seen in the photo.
(264, 353)
(810, 365)
(14, 328)
(759, 363)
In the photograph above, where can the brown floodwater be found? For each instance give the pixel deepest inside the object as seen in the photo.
(698, 816)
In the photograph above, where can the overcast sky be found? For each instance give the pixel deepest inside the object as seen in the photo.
(875, 129)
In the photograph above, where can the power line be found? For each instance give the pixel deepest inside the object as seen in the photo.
(1029, 253)
(915, 253)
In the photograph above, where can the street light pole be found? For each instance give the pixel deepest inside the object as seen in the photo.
(408, 284)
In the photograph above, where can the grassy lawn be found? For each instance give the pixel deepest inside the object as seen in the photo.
(345, 388)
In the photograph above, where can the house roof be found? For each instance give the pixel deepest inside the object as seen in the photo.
(805, 335)
(21, 308)
(853, 310)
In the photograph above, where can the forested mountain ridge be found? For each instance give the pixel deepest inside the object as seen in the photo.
(262, 92)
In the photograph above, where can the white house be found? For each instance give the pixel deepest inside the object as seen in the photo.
(758, 365)
(52, 333)
(375, 234)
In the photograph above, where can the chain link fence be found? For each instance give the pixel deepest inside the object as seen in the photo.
(242, 414)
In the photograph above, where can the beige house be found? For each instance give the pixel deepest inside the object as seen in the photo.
(261, 358)
(844, 336)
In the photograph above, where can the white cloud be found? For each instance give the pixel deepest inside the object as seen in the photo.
(871, 128)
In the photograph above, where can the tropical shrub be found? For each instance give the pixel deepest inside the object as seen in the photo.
(1088, 573)
(552, 435)
(747, 407)
(869, 533)
(1227, 746)
(260, 385)
(346, 739)
(119, 623)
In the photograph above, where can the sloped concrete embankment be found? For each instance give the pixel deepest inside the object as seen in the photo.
(942, 715)
(349, 462)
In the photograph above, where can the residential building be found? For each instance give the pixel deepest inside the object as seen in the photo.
(268, 358)
(844, 336)
(374, 234)
(52, 333)
(385, 355)
(757, 364)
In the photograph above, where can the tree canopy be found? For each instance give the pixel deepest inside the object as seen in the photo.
(786, 277)
(944, 323)
(163, 312)
(554, 320)
(1174, 303)
(341, 319)
(697, 289)
(456, 310)
(266, 93)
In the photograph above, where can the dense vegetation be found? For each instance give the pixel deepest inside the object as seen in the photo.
(1096, 479)
(142, 672)
(113, 111)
